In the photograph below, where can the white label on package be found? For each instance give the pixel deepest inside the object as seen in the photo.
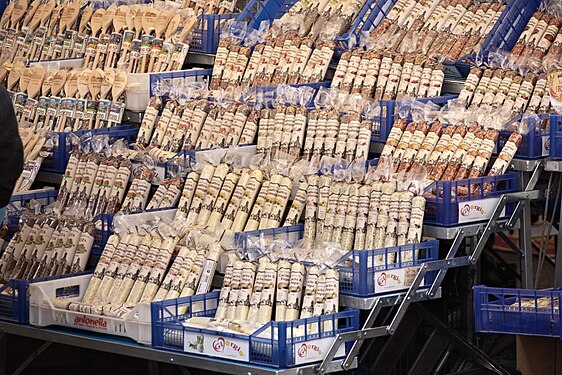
(315, 350)
(545, 145)
(478, 210)
(394, 279)
(217, 346)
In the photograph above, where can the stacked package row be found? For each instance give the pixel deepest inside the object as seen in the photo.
(360, 215)
(297, 49)
(506, 90)
(388, 75)
(438, 29)
(197, 124)
(47, 245)
(255, 293)
(284, 127)
(138, 265)
(453, 152)
(540, 43)
(138, 38)
(61, 100)
(336, 127)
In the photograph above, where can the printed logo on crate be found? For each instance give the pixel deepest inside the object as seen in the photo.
(315, 350)
(478, 210)
(217, 346)
(394, 279)
(84, 321)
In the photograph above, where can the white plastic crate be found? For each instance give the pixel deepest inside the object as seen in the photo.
(136, 325)
(60, 64)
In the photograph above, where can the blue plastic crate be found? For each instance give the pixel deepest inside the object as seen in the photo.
(257, 11)
(382, 124)
(372, 14)
(499, 310)
(555, 136)
(205, 39)
(3, 5)
(510, 25)
(14, 299)
(63, 148)
(365, 278)
(535, 144)
(452, 203)
(274, 345)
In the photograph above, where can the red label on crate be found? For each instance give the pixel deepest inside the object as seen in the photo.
(394, 279)
(478, 210)
(84, 321)
(217, 346)
(315, 350)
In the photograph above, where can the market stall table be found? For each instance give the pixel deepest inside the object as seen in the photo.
(112, 344)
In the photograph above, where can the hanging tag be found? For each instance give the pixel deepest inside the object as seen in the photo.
(3, 34)
(30, 107)
(20, 37)
(92, 46)
(27, 44)
(53, 109)
(103, 109)
(19, 102)
(40, 36)
(115, 42)
(10, 39)
(116, 112)
(69, 36)
(128, 37)
(80, 109)
(103, 43)
(67, 107)
(91, 109)
(42, 106)
(80, 44)
(146, 44)
(59, 43)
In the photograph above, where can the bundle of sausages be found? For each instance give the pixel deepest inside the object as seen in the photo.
(450, 153)
(388, 75)
(540, 41)
(255, 294)
(297, 50)
(286, 60)
(361, 215)
(313, 134)
(139, 266)
(507, 90)
(139, 38)
(238, 200)
(198, 124)
(442, 30)
(47, 245)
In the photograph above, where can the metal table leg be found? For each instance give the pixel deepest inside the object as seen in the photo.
(3, 353)
(558, 266)
(525, 239)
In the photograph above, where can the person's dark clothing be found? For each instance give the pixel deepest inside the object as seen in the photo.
(11, 148)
